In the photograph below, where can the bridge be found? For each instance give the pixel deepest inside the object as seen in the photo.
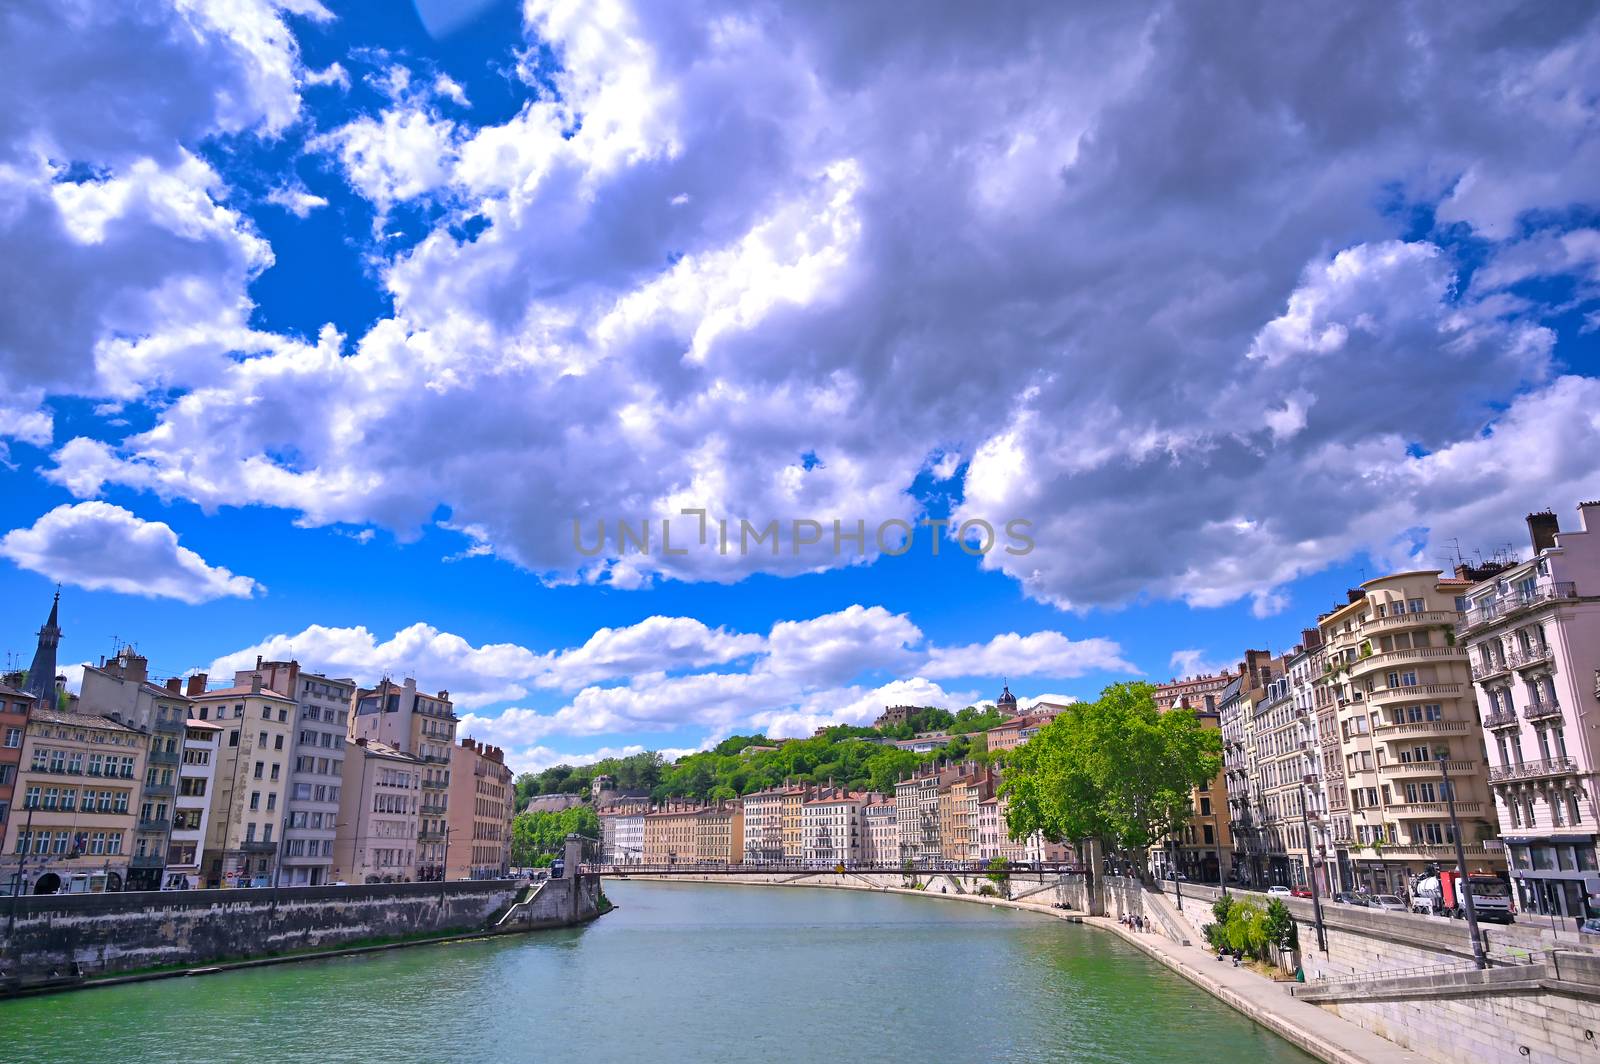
(812, 868)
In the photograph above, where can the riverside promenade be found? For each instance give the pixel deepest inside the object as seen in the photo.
(1318, 1032)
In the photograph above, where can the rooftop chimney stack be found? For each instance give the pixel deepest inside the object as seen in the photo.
(197, 685)
(1542, 529)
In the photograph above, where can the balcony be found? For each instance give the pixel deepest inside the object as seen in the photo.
(430, 836)
(435, 785)
(432, 810)
(153, 826)
(147, 860)
(1432, 768)
(1489, 611)
(1551, 766)
(1393, 659)
(158, 790)
(257, 846)
(1427, 618)
(163, 757)
(1414, 692)
(1410, 729)
(1542, 710)
(1526, 657)
(1500, 718)
(1482, 671)
(1434, 809)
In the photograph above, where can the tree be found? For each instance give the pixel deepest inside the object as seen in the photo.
(537, 838)
(1115, 769)
(998, 876)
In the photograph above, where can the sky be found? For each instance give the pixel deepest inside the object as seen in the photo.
(1009, 343)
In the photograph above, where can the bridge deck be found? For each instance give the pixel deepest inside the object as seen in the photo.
(800, 868)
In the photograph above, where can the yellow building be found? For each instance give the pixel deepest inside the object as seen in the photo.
(76, 815)
(1205, 845)
(719, 834)
(482, 803)
(669, 834)
(251, 784)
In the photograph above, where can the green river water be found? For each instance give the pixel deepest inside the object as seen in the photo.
(680, 972)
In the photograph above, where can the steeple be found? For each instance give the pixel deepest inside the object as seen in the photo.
(41, 681)
(1007, 702)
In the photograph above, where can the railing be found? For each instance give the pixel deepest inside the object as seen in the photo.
(1421, 727)
(146, 860)
(1500, 718)
(1541, 710)
(1490, 610)
(433, 810)
(1434, 809)
(1452, 968)
(1523, 657)
(1489, 670)
(1415, 691)
(1391, 658)
(434, 784)
(1550, 766)
(164, 757)
(154, 825)
(1432, 768)
(1410, 620)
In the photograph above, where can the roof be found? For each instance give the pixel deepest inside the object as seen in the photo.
(377, 749)
(242, 690)
(203, 725)
(82, 720)
(8, 691)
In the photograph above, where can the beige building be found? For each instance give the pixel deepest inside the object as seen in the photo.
(482, 802)
(424, 726)
(381, 796)
(76, 814)
(792, 806)
(719, 834)
(249, 808)
(880, 836)
(186, 856)
(833, 826)
(958, 813)
(669, 834)
(1402, 691)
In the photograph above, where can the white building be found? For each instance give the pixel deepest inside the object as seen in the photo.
(622, 834)
(763, 827)
(1533, 636)
(321, 721)
(880, 838)
(196, 779)
(831, 827)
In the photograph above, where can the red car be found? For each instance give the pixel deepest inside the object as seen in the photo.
(1299, 892)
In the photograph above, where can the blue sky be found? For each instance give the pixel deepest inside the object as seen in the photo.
(322, 341)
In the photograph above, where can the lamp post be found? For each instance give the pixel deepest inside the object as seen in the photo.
(1311, 867)
(1177, 887)
(1461, 862)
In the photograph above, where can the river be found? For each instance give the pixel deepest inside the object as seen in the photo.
(680, 973)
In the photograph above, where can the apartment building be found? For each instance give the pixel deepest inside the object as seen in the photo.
(1402, 694)
(1236, 719)
(1204, 847)
(719, 833)
(958, 813)
(380, 800)
(834, 826)
(251, 783)
(628, 825)
(669, 833)
(880, 837)
(121, 688)
(792, 802)
(763, 826)
(321, 726)
(14, 706)
(482, 802)
(74, 827)
(424, 726)
(1532, 631)
(1288, 768)
(917, 812)
(185, 869)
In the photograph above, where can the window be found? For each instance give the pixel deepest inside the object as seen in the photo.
(255, 800)
(13, 738)
(260, 769)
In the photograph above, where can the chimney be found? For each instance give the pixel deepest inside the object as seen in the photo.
(1311, 638)
(255, 683)
(258, 662)
(175, 685)
(1542, 529)
(1354, 594)
(197, 685)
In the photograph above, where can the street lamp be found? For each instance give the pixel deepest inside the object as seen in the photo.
(1316, 895)
(1177, 887)
(1461, 861)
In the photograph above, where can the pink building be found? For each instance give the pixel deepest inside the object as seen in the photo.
(1532, 631)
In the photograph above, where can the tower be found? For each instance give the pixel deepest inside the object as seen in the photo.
(41, 680)
(1007, 702)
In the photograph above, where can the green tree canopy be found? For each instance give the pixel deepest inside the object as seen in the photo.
(538, 838)
(1115, 769)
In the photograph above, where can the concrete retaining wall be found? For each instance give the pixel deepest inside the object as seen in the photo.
(109, 933)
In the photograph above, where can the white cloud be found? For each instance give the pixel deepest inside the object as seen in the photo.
(296, 200)
(100, 547)
(1037, 654)
(1194, 662)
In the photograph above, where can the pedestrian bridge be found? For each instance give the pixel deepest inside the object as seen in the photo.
(813, 868)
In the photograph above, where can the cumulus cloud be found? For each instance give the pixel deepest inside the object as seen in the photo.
(1157, 285)
(100, 547)
(1038, 654)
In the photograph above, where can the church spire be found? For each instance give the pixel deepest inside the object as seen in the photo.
(1007, 702)
(41, 680)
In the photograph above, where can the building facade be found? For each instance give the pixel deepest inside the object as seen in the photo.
(249, 809)
(763, 826)
(380, 801)
(483, 800)
(403, 718)
(78, 816)
(1532, 631)
(14, 706)
(1204, 847)
(192, 808)
(880, 835)
(719, 833)
(669, 834)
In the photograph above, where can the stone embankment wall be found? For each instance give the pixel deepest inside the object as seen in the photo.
(111, 933)
(1411, 980)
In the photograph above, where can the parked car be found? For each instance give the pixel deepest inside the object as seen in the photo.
(1590, 926)
(1300, 892)
(1386, 902)
(1179, 876)
(1278, 891)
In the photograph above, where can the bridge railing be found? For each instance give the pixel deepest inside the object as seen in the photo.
(690, 868)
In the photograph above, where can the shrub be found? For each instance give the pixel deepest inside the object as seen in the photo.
(1220, 907)
(1280, 928)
